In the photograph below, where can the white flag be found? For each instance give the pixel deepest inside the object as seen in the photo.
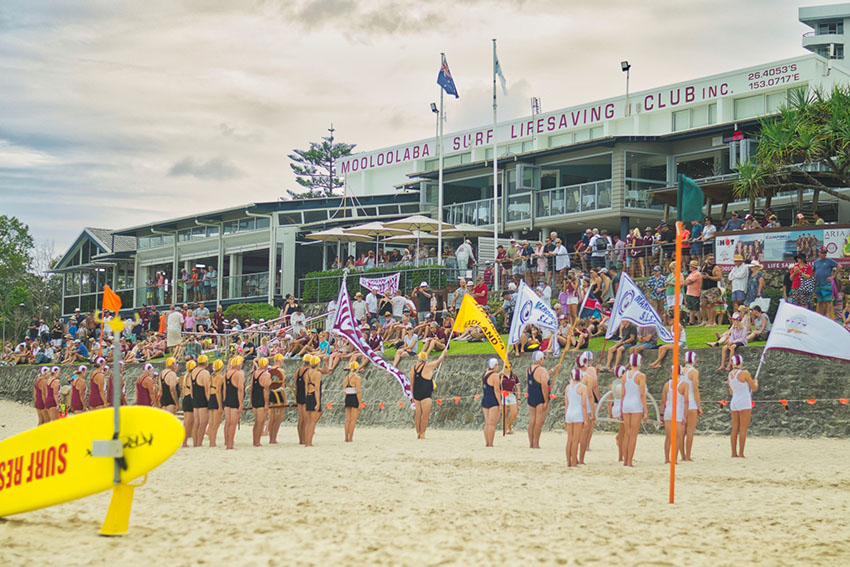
(800, 330)
(497, 71)
(530, 309)
(631, 305)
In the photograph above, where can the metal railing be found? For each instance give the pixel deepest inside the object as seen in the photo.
(573, 199)
(245, 286)
(472, 212)
(315, 289)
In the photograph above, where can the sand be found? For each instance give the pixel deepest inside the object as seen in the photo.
(388, 499)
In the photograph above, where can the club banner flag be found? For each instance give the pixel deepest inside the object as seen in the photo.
(530, 309)
(797, 329)
(111, 301)
(344, 326)
(690, 199)
(631, 305)
(471, 314)
(384, 285)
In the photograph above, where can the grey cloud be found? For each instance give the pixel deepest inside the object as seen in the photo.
(216, 169)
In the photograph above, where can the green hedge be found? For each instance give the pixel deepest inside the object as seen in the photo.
(244, 311)
(321, 290)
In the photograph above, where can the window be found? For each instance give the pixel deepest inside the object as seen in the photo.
(184, 235)
(644, 173)
(775, 101)
(681, 120)
(838, 51)
(295, 218)
(712, 113)
(431, 164)
(596, 132)
(560, 140)
(831, 28)
(212, 231)
(246, 225)
(230, 227)
(262, 222)
(315, 216)
(199, 232)
(527, 146)
(749, 107)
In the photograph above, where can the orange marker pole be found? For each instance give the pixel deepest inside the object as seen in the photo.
(674, 391)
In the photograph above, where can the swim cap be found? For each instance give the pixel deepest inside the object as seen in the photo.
(492, 363)
(217, 365)
(315, 360)
(203, 359)
(147, 366)
(82, 368)
(635, 359)
(191, 365)
(619, 370)
(99, 361)
(422, 355)
(170, 360)
(306, 358)
(278, 357)
(586, 356)
(690, 357)
(55, 369)
(156, 372)
(106, 368)
(575, 374)
(736, 360)
(44, 370)
(353, 365)
(236, 361)
(537, 356)
(262, 362)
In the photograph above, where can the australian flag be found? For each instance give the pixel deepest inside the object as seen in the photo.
(444, 78)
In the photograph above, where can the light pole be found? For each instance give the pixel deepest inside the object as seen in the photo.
(438, 146)
(624, 65)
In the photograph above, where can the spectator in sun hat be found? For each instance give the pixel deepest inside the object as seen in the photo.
(826, 270)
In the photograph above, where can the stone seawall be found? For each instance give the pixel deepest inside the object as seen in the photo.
(787, 376)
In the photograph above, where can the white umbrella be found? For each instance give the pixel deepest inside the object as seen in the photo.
(414, 237)
(464, 230)
(337, 235)
(375, 229)
(422, 223)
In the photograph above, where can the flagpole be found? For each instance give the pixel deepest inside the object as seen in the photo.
(674, 391)
(497, 268)
(440, 178)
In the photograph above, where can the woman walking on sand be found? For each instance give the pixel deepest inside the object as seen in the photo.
(491, 402)
(690, 375)
(741, 387)
(633, 406)
(575, 415)
(351, 387)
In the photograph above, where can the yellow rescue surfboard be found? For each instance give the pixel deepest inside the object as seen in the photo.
(53, 463)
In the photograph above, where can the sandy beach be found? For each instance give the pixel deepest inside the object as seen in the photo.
(388, 499)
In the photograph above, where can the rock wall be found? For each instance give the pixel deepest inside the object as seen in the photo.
(796, 378)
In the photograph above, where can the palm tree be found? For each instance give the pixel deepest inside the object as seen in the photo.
(811, 132)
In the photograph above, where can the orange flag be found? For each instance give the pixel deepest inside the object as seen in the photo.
(111, 301)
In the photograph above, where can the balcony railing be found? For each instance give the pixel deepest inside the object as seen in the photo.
(473, 212)
(573, 199)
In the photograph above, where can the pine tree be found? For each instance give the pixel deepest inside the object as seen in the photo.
(315, 168)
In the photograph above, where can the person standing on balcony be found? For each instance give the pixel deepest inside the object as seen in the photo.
(734, 223)
(549, 254)
(695, 240)
(464, 257)
(160, 287)
(707, 238)
(562, 261)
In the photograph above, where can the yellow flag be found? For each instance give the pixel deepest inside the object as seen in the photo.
(472, 315)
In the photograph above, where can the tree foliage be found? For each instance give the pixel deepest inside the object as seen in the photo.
(315, 168)
(810, 134)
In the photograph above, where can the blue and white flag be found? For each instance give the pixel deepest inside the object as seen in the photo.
(444, 78)
(531, 309)
(631, 305)
(497, 71)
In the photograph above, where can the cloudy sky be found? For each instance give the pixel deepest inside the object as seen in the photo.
(118, 113)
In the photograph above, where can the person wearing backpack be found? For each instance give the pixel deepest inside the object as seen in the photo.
(599, 245)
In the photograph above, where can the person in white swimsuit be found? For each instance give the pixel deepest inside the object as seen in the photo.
(590, 380)
(575, 415)
(741, 387)
(633, 405)
(614, 404)
(681, 403)
(690, 375)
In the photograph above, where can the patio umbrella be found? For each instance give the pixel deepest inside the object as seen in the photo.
(465, 230)
(375, 229)
(414, 237)
(422, 223)
(337, 235)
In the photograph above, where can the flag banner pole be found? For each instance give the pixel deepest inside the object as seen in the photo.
(495, 178)
(437, 371)
(674, 390)
(440, 186)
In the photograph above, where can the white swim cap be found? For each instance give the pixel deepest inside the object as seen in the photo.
(619, 371)
(575, 374)
(537, 356)
(635, 359)
(736, 360)
(492, 363)
(44, 370)
(690, 357)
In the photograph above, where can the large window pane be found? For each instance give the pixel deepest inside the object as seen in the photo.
(749, 107)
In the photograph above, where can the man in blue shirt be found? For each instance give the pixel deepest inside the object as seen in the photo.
(735, 223)
(825, 273)
(82, 351)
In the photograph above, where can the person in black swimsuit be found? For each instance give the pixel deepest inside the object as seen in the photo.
(216, 405)
(168, 386)
(351, 387)
(234, 382)
(260, 381)
(188, 407)
(538, 397)
(301, 396)
(491, 402)
(200, 399)
(277, 397)
(421, 380)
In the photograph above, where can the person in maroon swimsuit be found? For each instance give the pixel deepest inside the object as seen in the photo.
(78, 389)
(109, 384)
(51, 399)
(145, 386)
(39, 388)
(97, 384)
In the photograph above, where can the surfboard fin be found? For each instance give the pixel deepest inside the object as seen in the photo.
(117, 519)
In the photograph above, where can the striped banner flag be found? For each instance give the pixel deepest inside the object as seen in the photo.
(344, 325)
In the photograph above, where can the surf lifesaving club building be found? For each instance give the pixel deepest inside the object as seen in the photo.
(602, 164)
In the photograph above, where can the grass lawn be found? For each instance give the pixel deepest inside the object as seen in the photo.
(696, 338)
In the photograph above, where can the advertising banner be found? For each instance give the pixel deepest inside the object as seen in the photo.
(776, 248)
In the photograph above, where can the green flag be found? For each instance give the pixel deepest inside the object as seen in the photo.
(689, 199)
